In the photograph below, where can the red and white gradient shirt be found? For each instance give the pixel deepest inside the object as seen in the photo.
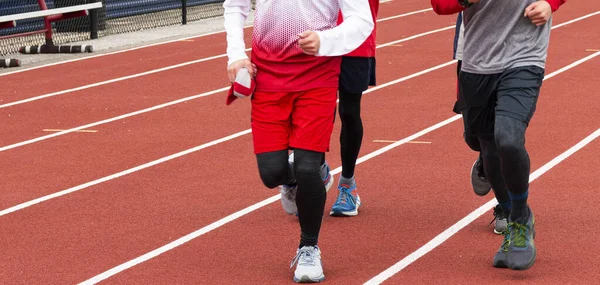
(281, 64)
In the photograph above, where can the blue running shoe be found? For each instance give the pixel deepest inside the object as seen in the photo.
(347, 202)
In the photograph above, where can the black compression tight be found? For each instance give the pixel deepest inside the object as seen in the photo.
(274, 169)
(492, 165)
(506, 161)
(509, 135)
(352, 131)
(311, 195)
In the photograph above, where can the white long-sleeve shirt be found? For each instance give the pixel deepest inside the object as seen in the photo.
(282, 66)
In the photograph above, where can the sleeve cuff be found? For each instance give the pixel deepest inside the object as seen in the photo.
(236, 57)
(554, 4)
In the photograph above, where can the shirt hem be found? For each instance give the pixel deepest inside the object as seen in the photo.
(499, 70)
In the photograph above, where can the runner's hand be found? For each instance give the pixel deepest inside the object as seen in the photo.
(539, 12)
(235, 66)
(309, 42)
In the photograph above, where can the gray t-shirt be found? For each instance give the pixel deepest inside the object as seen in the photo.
(460, 43)
(498, 37)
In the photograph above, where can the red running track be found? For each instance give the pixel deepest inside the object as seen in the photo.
(414, 192)
(28, 120)
(415, 187)
(172, 129)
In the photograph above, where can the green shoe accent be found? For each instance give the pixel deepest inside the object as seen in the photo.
(520, 249)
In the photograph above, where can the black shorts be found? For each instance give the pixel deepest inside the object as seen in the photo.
(512, 93)
(357, 74)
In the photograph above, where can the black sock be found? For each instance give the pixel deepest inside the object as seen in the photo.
(308, 239)
(520, 211)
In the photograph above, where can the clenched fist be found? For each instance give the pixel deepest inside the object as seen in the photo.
(235, 66)
(539, 12)
(309, 42)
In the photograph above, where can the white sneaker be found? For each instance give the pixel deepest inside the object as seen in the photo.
(309, 269)
(288, 193)
(288, 198)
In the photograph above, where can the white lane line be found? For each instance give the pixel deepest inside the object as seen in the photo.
(167, 42)
(247, 210)
(164, 159)
(452, 230)
(119, 174)
(30, 141)
(182, 65)
(238, 214)
(445, 235)
(60, 133)
(51, 196)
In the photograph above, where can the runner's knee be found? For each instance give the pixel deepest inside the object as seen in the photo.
(273, 168)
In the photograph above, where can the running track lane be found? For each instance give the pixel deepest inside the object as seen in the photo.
(73, 74)
(564, 202)
(124, 144)
(28, 120)
(73, 109)
(133, 141)
(413, 193)
(194, 197)
(101, 217)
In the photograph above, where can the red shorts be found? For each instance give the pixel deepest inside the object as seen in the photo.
(283, 120)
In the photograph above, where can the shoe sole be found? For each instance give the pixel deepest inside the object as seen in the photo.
(330, 183)
(346, 214)
(500, 264)
(480, 187)
(306, 279)
(496, 231)
(529, 265)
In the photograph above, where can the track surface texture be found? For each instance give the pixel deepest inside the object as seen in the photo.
(135, 172)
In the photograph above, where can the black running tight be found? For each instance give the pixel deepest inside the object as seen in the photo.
(509, 135)
(505, 159)
(352, 131)
(311, 195)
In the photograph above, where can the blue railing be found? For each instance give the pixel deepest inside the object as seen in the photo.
(126, 8)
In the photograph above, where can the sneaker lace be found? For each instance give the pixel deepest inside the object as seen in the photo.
(346, 195)
(499, 214)
(506, 241)
(305, 256)
(519, 234)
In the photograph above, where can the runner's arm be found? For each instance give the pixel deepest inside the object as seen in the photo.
(555, 4)
(446, 7)
(236, 12)
(351, 33)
